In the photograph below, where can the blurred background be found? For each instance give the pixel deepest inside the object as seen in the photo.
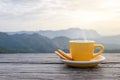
(42, 26)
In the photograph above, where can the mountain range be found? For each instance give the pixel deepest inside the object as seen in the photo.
(25, 43)
(73, 33)
(48, 41)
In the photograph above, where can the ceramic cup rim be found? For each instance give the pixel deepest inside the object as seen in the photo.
(82, 41)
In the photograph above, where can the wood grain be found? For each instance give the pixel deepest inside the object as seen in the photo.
(49, 67)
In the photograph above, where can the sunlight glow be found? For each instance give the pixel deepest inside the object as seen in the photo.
(87, 17)
(110, 4)
(101, 15)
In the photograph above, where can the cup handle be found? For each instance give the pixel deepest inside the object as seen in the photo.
(101, 50)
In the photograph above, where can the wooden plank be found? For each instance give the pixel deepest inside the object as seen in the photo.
(57, 72)
(29, 58)
(47, 58)
(49, 67)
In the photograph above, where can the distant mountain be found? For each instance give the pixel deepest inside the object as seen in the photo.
(111, 43)
(61, 42)
(73, 33)
(26, 43)
(109, 39)
(49, 41)
(21, 32)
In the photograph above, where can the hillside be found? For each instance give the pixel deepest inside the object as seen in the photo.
(109, 39)
(26, 43)
(73, 33)
(61, 42)
(34, 42)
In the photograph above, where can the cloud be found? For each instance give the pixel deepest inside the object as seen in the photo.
(17, 8)
(56, 14)
(20, 7)
(26, 11)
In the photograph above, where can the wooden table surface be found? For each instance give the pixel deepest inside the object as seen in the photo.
(49, 67)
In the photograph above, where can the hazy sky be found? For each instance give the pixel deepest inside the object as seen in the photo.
(100, 15)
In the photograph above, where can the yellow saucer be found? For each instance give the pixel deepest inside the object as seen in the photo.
(92, 63)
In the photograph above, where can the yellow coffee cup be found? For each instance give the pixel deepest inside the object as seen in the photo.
(84, 50)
